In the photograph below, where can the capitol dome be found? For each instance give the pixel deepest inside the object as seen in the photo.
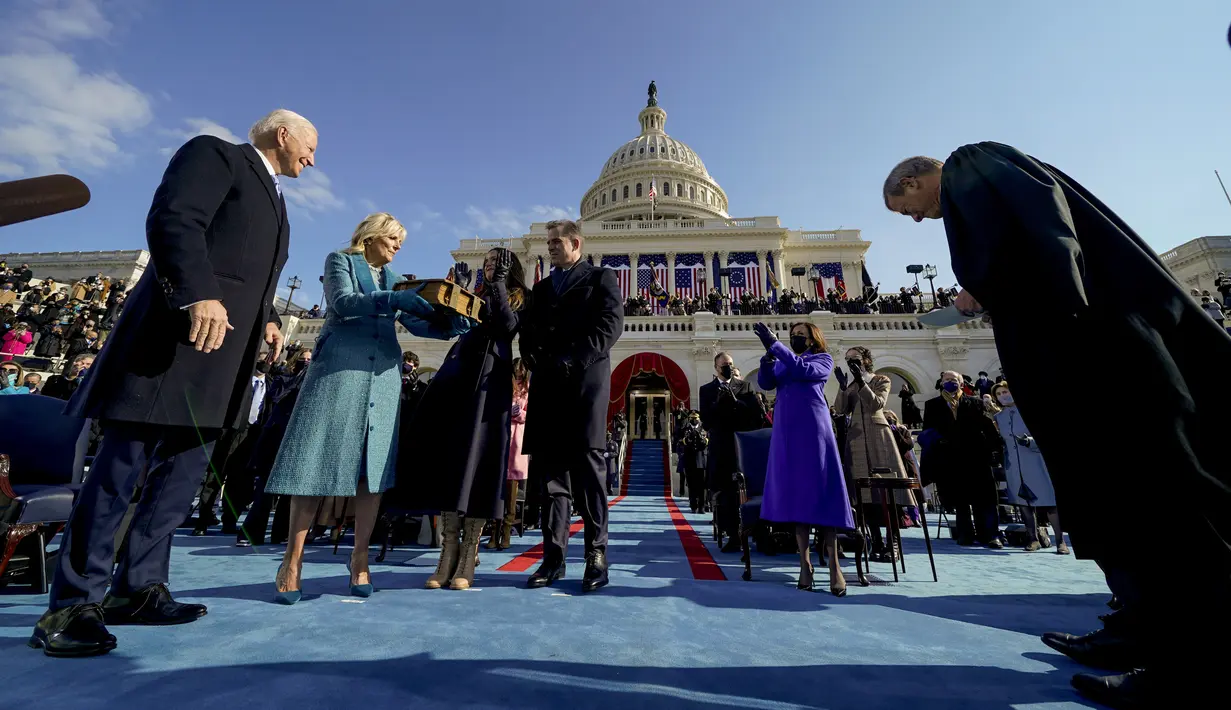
(683, 187)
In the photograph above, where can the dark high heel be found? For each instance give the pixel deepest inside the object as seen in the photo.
(288, 597)
(359, 590)
(801, 584)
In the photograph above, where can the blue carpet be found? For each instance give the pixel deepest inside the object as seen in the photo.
(654, 638)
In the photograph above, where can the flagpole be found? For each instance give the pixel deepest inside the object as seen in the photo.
(1224, 187)
(652, 199)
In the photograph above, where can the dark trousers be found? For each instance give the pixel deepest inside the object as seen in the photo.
(174, 458)
(985, 524)
(257, 522)
(228, 467)
(569, 478)
(694, 479)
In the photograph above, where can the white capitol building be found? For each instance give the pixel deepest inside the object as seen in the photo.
(687, 231)
(683, 236)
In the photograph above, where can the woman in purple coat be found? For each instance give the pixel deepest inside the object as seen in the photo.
(804, 483)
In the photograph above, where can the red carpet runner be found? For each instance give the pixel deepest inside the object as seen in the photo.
(699, 558)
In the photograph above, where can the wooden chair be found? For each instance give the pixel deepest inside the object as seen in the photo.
(884, 489)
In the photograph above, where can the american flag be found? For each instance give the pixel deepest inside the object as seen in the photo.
(831, 277)
(653, 194)
(619, 264)
(745, 275)
(651, 268)
(688, 283)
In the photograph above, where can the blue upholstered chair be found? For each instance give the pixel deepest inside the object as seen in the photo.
(45, 463)
(752, 461)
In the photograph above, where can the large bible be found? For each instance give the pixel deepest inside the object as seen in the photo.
(446, 296)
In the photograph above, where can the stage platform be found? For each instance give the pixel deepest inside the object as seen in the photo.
(676, 628)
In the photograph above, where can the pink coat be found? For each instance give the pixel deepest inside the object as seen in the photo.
(519, 463)
(16, 344)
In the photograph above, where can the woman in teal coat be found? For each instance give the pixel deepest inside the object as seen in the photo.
(342, 436)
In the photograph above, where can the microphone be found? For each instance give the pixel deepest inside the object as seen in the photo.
(22, 200)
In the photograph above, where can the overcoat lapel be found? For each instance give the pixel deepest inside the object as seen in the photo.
(257, 166)
(363, 275)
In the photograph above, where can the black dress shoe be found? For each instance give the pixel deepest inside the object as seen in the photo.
(1130, 691)
(596, 571)
(152, 606)
(548, 572)
(1104, 649)
(73, 631)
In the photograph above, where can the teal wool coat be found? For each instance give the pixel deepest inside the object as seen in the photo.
(345, 424)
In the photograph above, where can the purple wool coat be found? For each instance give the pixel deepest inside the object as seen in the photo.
(804, 482)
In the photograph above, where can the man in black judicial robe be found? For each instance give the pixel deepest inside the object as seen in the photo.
(173, 376)
(1013, 222)
(567, 334)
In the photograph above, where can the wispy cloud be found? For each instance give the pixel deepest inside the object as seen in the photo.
(201, 127)
(311, 192)
(53, 114)
(506, 221)
(367, 204)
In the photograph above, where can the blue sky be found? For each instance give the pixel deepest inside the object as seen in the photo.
(477, 118)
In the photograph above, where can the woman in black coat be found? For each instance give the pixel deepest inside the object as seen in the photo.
(456, 458)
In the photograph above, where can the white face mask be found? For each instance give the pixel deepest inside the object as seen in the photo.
(1005, 399)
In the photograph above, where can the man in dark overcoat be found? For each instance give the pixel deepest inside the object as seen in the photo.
(727, 406)
(175, 374)
(567, 334)
(1012, 223)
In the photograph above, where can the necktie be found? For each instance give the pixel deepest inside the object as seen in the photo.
(278, 186)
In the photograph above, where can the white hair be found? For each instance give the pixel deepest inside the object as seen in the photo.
(277, 119)
(915, 167)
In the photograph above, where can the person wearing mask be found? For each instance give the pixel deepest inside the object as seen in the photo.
(16, 341)
(694, 442)
(229, 463)
(957, 455)
(726, 408)
(983, 385)
(33, 380)
(519, 463)
(611, 456)
(804, 482)
(341, 440)
(568, 331)
(12, 377)
(1029, 484)
(281, 393)
(458, 465)
(63, 386)
(870, 446)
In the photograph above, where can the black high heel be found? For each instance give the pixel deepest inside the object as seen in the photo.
(800, 584)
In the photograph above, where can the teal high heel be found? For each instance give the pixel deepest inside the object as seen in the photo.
(359, 590)
(288, 597)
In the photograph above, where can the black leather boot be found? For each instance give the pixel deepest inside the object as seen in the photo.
(151, 606)
(73, 631)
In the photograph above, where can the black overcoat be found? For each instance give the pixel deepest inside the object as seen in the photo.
(722, 416)
(960, 462)
(578, 326)
(455, 451)
(217, 230)
(1111, 304)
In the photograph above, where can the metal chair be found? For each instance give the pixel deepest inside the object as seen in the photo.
(886, 487)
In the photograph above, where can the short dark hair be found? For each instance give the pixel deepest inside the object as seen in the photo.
(865, 355)
(566, 227)
(411, 357)
(719, 354)
(814, 332)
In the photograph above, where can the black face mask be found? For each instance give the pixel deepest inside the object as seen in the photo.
(726, 371)
(799, 343)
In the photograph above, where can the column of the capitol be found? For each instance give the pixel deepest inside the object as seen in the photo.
(670, 285)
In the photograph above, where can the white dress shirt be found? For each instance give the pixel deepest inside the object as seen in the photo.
(258, 398)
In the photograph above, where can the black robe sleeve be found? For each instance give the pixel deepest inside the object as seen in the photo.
(1009, 230)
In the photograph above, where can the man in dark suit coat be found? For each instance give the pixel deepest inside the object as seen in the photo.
(567, 334)
(959, 461)
(725, 409)
(166, 384)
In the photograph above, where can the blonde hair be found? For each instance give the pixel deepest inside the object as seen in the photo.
(377, 224)
(276, 119)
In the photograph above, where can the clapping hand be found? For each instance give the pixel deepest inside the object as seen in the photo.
(765, 334)
(516, 410)
(411, 302)
(840, 374)
(462, 274)
(856, 372)
(503, 263)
